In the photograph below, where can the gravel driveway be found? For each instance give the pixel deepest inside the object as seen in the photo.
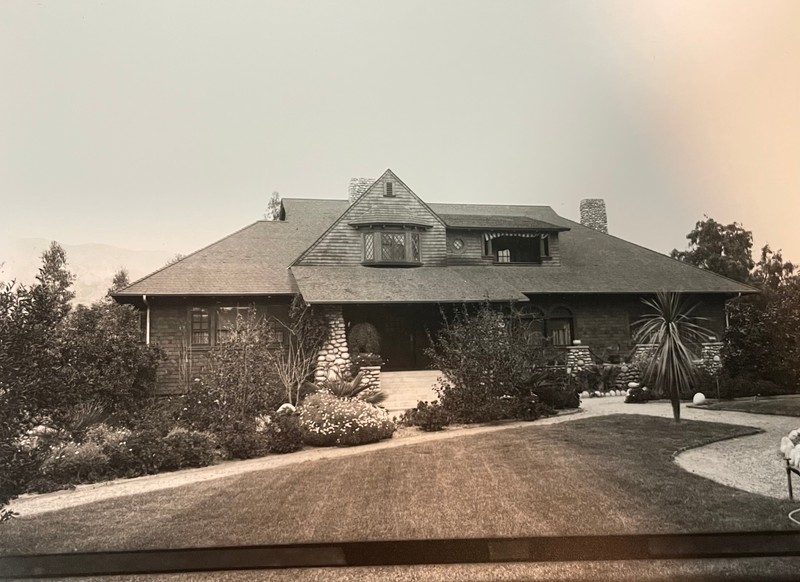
(751, 463)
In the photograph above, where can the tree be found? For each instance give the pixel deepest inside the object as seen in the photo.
(273, 211)
(723, 249)
(53, 292)
(120, 281)
(671, 329)
(771, 271)
(175, 259)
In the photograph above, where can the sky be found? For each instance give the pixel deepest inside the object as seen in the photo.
(166, 125)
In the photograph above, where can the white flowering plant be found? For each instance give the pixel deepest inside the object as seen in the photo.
(327, 420)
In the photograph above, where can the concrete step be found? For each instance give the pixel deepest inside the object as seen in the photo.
(405, 389)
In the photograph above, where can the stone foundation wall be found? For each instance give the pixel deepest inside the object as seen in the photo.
(334, 353)
(578, 357)
(708, 352)
(372, 377)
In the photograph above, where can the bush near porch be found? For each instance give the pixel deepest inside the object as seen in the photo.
(492, 369)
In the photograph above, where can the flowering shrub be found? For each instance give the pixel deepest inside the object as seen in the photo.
(283, 432)
(72, 463)
(326, 420)
(427, 416)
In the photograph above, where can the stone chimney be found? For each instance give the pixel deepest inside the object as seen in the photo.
(357, 187)
(593, 214)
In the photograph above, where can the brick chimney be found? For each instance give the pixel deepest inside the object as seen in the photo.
(357, 187)
(593, 214)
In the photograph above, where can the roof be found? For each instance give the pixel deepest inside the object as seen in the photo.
(255, 261)
(251, 261)
(359, 284)
(480, 222)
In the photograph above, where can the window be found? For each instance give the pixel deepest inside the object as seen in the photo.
(392, 247)
(458, 244)
(516, 247)
(389, 189)
(201, 326)
(559, 326)
(227, 321)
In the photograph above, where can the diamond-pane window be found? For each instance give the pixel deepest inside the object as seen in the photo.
(369, 247)
(415, 246)
(393, 246)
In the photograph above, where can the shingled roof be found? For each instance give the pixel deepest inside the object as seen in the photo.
(482, 222)
(255, 261)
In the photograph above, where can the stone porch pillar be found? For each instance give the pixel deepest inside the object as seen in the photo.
(334, 352)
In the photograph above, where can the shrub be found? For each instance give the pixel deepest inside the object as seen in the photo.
(429, 417)
(122, 462)
(73, 463)
(150, 453)
(242, 441)
(283, 433)
(638, 395)
(189, 448)
(557, 391)
(326, 420)
(364, 338)
(487, 359)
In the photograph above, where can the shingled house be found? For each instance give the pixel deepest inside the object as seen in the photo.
(387, 257)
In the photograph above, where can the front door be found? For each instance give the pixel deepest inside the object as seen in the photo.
(398, 342)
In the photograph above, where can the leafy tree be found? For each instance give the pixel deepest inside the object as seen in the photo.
(175, 259)
(771, 271)
(273, 211)
(762, 340)
(672, 330)
(120, 281)
(723, 249)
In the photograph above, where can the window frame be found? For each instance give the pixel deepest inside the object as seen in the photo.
(213, 310)
(562, 314)
(542, 239)
(412, 247)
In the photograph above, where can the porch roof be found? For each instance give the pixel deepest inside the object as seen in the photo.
(361, 284)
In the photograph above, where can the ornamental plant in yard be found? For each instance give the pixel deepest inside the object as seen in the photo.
(672, 331)
(327, 420)
(428, 416)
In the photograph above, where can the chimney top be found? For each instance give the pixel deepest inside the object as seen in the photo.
(593, 214)
(357, 187)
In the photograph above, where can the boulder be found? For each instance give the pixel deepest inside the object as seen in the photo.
(699, 398)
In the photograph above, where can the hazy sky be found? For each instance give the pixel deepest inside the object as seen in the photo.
(166, 125)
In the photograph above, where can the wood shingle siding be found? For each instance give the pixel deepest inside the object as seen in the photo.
(342, 244)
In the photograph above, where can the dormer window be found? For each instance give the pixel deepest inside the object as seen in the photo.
(516, 247)
(391, 246)
(389, 190)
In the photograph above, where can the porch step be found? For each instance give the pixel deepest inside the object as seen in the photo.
(405, 389)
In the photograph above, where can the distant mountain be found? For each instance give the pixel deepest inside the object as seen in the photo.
(92, 264)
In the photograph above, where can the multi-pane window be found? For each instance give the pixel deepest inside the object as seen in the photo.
(415, 246)
(560, 324)
(389, 189)
(227, 321)
(503, 256)
(393, 246)
(369, 247)
(200, 326)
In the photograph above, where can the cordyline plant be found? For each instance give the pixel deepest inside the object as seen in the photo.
(672, 331)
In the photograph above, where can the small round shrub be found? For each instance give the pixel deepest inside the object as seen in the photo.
(242, 441)
(283, 433)
(427, 416)
(72, 463)
(122, 462)
(189, 448)
(638, 395)
(326, 420)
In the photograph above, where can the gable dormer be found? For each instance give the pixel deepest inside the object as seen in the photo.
(385, 226)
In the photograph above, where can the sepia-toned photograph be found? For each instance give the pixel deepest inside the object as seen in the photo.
(360, 290)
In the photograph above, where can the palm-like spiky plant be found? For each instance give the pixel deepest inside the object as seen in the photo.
(671, 330)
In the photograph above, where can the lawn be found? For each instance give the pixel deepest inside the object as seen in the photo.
(788, 405)
(603, 475)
